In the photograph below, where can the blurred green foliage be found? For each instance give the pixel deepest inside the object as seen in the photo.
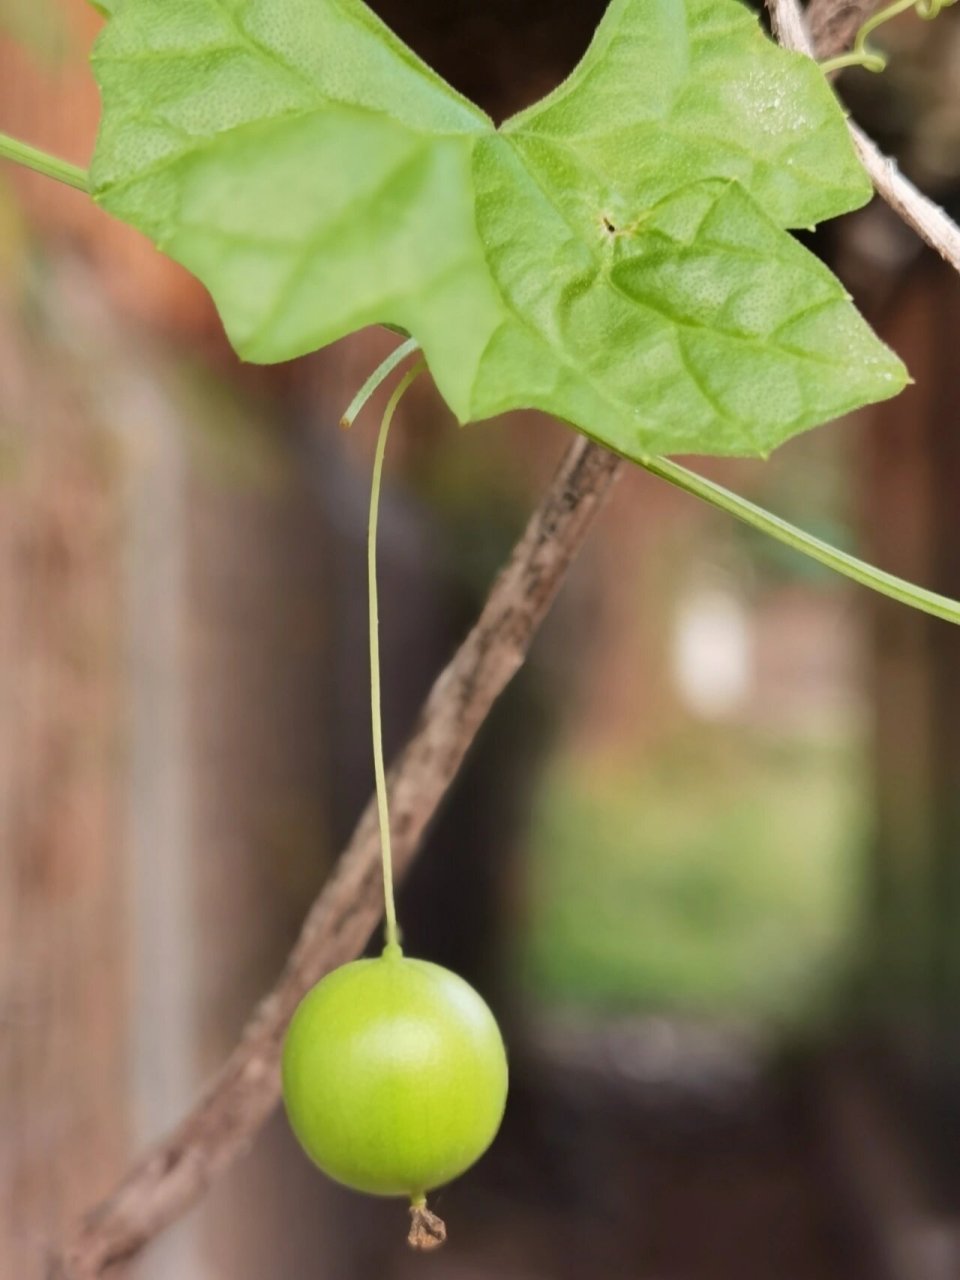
(719, 880)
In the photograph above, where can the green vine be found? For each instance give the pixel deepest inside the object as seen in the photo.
(42, 162)
(886, 584)
(862, 55)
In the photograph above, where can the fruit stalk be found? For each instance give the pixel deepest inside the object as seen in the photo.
(376, 717)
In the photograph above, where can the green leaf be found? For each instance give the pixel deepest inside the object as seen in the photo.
(617, 255)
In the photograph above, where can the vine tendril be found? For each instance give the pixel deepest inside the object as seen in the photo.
(863, 55)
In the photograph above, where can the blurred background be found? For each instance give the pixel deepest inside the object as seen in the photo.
(704, 859)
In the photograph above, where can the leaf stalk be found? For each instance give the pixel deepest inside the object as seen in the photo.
(29, 157)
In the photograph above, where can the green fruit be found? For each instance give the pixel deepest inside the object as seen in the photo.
(394, 1075)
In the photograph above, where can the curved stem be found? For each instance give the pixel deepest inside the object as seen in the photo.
(855, 58)
(867, 575)
(383, 810)
(869, 59)
(42, 162)
(379, 376)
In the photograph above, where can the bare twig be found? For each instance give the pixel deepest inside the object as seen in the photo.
(789, 28)
(175, 1174)
(917, 210)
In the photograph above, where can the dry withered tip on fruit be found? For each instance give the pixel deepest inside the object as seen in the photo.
(427, 1231)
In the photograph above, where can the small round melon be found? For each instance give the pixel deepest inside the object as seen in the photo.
(394, 1075)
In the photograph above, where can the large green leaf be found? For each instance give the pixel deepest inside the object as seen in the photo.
(617, 255)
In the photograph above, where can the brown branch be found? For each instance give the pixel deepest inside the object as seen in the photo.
(918, 211)
(176, 1173)
(925, 216)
